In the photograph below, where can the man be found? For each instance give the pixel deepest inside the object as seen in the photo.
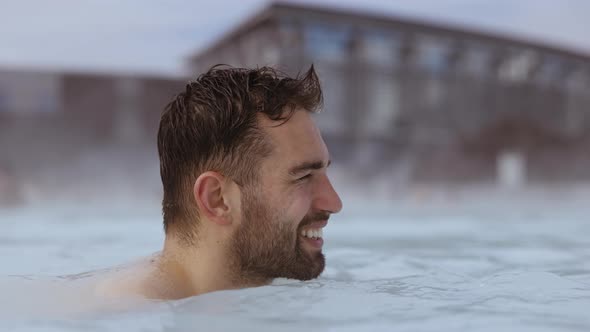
(246, 193)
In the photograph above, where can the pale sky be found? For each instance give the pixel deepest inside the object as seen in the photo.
(155, 36)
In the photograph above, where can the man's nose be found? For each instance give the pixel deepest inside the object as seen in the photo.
(327, 198)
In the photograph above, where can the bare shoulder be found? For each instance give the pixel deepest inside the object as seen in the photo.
(118, 288)
(132, 280)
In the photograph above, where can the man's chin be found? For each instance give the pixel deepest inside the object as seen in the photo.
(316, 265)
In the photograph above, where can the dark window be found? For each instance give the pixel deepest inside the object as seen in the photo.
(433, 55)
(551, 70)
(326, 42)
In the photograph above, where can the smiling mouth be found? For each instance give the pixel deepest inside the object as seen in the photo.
(312, 233)
(313, 236)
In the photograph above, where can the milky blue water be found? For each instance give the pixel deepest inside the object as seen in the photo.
(428, 265)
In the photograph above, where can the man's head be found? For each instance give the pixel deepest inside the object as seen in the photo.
(241, 159)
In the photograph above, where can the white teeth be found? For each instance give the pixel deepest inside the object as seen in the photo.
(312, 233)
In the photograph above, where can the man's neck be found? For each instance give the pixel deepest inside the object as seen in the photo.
(187, 270)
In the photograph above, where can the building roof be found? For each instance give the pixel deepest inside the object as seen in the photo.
(282, 9)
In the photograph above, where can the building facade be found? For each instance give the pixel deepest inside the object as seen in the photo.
(428, 102)
(53, 123)
(407, 101)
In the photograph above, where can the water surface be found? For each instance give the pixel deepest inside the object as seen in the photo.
(423, 266)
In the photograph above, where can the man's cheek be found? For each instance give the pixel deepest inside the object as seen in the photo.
(300, 204)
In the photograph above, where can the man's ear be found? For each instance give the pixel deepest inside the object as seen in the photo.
(210, 194)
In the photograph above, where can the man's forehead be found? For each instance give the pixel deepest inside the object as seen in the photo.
(297, 139)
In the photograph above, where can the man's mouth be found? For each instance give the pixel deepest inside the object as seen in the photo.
(313, 236)
(312, 233)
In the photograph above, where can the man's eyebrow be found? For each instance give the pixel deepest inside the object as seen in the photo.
(309, 165)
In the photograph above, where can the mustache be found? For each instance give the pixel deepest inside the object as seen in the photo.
(316, 216)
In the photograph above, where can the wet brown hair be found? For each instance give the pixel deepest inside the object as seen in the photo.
(213, 126)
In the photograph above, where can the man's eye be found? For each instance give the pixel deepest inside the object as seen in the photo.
(303, 178)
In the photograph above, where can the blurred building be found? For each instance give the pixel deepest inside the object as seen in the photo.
(52, 122)
(426, 102)
(408, 101)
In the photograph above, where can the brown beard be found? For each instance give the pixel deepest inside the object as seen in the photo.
(266, 246)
